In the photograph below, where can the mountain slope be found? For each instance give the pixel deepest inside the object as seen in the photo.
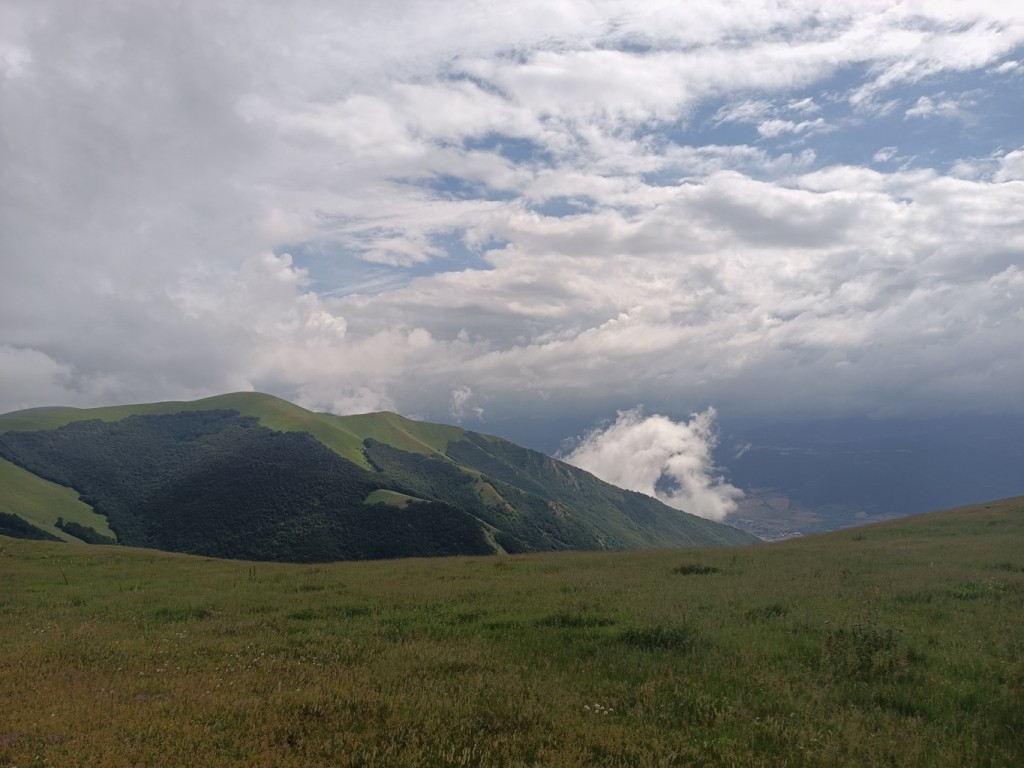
(252, 476)
(43, 504)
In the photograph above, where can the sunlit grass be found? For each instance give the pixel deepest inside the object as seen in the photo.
(41, 502)
(901, 644)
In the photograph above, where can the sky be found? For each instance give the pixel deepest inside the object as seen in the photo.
(496, 214)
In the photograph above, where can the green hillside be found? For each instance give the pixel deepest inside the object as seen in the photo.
(42, 503)
(273, 412)
(255, 477)
(402, 433)
(896, 644)
(342, 434)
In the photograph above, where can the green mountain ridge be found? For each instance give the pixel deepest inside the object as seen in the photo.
(251, 476)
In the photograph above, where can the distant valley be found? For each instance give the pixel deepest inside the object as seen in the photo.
(810, 477)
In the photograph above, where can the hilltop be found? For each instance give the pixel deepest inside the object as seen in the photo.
(252, 476)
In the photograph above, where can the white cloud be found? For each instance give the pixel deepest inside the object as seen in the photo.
(773, 128)
(461, 403)
(343, 400)
(807, 106)
(770, 119)
(342, 206)
(927, 107)
(743, 112)
(885, 154)
(1011, 166)
(1007, 67)
(655, 455)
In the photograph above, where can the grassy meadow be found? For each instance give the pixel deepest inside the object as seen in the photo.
(900, 644)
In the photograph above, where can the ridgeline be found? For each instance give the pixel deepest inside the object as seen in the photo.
(250, 476)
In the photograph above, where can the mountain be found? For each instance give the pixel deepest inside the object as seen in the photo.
(251, 476)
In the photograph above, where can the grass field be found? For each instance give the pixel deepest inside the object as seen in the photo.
(899, 645)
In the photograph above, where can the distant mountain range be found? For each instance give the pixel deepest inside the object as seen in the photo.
(255, 477)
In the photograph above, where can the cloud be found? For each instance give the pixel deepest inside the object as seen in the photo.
(663, 458)
(773, 128)
(31, 371)
(461, 403)
(773, 120)
(885, 154)
(743, 112)
(1007, 67)
(1011, 166)
(342, 400)
(928, 107)
(568, 207)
